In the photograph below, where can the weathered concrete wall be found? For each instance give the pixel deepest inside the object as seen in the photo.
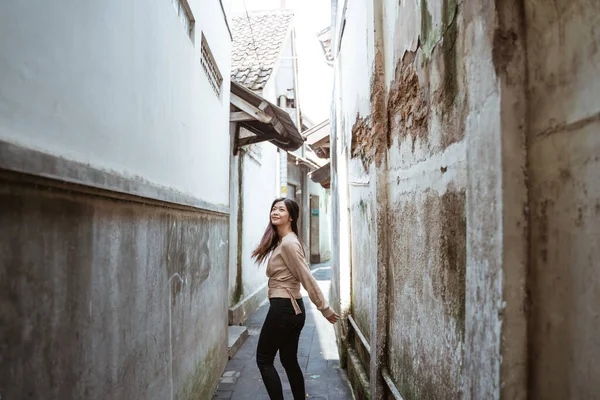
(364, 256)
(104, 298)
(564, 160)
(113, 286)
(355, 249)
(415, 114)
(437, 192)
(426, 212)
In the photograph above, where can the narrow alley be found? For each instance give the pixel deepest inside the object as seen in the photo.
(317, 353)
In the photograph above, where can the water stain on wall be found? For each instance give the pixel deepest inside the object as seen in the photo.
(427, 278)
(449, 282)
(187, 254)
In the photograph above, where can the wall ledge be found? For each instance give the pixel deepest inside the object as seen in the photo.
(239, 313)
(23, 160)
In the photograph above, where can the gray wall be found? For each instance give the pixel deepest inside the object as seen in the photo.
(564, 161)
(106, 296)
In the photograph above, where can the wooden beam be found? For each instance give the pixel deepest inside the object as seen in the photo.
(324, 142)
(254, 139)
(238, 116)
(234, 129)
(250, 109)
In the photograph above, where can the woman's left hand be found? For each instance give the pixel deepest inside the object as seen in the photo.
(333, 318)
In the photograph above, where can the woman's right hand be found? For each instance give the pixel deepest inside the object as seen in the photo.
(333, 318)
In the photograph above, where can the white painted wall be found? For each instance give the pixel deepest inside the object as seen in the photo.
(284, 75)
(259, 192)
(118, 85)
(324, 218)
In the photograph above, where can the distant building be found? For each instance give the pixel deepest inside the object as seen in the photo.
(263, 61)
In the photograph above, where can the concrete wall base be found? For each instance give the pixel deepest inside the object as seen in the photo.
(106, 297)
(239, 313)
(237, 335)
(357, 375)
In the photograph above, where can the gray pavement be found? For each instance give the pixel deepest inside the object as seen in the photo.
(317, 353)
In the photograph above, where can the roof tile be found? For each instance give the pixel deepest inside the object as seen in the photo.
(252, 66)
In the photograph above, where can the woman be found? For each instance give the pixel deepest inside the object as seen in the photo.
(286, 269)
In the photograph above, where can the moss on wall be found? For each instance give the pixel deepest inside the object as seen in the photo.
(202, 382)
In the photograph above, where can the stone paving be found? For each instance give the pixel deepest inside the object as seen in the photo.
(317, 354)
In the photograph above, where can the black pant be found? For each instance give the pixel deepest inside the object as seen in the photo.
(281, 332)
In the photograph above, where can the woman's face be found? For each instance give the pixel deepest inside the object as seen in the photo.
(280, 215)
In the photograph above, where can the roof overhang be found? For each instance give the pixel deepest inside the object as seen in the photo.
(303, 161)
(317, 138)
(263, 121)
(322, 176)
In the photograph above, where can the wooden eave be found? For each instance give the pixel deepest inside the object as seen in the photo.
(264, 120)
(318, 139)
(322, 176)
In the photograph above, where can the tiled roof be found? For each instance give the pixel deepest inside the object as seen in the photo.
(257, 40)
(325, 40)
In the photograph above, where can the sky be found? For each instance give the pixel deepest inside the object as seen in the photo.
(315, 76)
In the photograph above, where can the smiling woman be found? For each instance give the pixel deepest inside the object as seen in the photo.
(286, 269)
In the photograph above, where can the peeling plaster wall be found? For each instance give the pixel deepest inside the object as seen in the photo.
(360, 203)
(426, 112)
(564, 160)
(480, 120)
(441, 220)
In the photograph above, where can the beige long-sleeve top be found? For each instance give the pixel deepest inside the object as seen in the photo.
(287, 268)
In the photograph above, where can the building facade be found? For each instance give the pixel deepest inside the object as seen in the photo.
(114, 201)
(464, 159)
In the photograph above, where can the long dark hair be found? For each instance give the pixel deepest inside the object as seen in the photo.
(271, 238)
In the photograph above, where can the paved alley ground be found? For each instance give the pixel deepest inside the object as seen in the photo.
(317, 353)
